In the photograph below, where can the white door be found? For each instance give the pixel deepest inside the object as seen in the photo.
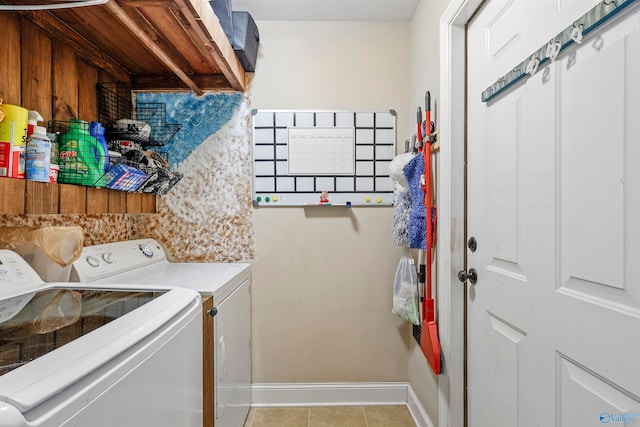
(553, 184)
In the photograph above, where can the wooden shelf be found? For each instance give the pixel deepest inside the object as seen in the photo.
(21, 197)
(151, 44)
(54, 70)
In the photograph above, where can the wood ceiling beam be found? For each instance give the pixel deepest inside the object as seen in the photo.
(146, 3)
(171, 82)
(121, 15)
(211, 44)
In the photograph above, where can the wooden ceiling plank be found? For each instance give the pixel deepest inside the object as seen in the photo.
(146, 3)
(181, 41)
(119, 45)
(211, 40)
(71, 38)
(160, 37)
(129, 23)
(171, 82)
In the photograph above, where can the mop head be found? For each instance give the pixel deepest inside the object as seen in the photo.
(401, 215)
(396, 169)
(417, 235)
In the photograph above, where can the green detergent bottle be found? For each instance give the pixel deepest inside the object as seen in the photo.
(82, 157)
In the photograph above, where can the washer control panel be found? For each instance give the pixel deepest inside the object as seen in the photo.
(107, 257)
(16, 275)
(92, 261)
(146, 249)
(100, 261)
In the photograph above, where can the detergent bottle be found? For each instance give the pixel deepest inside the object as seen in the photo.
(97, 131)
(82, 157)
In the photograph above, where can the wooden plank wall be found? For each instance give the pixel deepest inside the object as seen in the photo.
(43, 74)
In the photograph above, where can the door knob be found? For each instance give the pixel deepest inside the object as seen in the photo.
(471, 276)
(212, 312)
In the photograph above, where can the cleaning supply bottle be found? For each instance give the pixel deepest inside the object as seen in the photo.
(82, 157)
(38, 155)
(53, 137)
(54, 169)
(97, 131)
(32, 122)
(13, 141)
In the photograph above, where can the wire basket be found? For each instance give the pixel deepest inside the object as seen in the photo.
(144, 124)
(130, 131)
(160, 180)
(155, 115)
(85, 160)
(116, 113)
(114, 102)
(155, 165)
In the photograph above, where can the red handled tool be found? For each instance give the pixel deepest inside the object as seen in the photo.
(429, 341)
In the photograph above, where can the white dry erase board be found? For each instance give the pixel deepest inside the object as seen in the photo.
(322, 158)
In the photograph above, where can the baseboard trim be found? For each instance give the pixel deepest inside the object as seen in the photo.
(339, 394)
(417, 411)
(328, 394)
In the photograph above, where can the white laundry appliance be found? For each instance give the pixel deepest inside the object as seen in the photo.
(145, 261)
(102, 356)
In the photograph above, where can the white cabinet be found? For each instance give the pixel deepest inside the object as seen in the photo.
(232, 337)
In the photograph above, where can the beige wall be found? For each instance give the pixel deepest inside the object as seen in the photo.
(323, 276)
(424, 73)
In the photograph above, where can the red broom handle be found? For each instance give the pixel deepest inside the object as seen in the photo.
(427, 202)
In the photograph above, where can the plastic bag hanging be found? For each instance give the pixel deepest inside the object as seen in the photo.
(405, 290)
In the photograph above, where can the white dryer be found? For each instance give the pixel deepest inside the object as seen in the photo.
(103, 356)
(145, 261)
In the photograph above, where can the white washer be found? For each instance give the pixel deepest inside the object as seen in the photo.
(102, 364)
(144, 261)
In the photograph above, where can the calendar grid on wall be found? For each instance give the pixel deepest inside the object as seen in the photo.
(366, 142)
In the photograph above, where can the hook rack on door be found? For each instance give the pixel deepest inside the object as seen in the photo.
(574, 33)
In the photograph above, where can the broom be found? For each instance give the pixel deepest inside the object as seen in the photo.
(429, 342)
